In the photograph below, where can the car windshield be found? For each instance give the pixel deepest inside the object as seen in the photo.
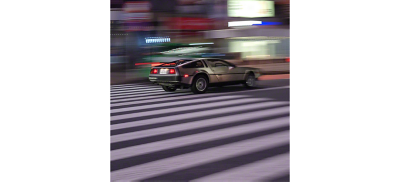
(176, 63)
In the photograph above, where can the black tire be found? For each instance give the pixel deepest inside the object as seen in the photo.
(250, 81)
(168, 89)
(199, 84)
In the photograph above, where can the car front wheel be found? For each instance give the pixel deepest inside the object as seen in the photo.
(199, 85)
(250, 81)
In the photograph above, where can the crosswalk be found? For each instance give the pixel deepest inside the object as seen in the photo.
(180, 136)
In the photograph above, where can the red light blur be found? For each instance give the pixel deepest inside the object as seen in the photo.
(155, 63)
(153, 71)
(186, 75)
(171, 71)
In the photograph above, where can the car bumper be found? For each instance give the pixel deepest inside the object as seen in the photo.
(166, 80)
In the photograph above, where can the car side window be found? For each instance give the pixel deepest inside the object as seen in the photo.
(196, 64)
(228, 63)
(217, 63)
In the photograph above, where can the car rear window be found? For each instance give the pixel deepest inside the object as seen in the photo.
(196, 64)
(175, 63)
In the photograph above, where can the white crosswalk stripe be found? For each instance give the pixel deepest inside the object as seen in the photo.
(160, 100)
(163, 166)
(189, 93)
(135, 90)
(197, 124)
(161, 135)
(198, 138)
(131, 85)
(257, 171)
(136, 93)
(122, 90)
(202, 113)
(118, 98)
(184, 108)
(136, 86)
(121, 101)
(177, 103)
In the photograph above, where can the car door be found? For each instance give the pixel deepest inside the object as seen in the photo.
(218, 68)
(234, 73)
(224, 71)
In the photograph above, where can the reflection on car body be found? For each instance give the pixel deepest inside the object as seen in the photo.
(199, 74)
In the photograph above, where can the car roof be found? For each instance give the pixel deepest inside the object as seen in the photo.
(177, 63)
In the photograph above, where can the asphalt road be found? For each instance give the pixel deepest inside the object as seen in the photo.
(227, 134)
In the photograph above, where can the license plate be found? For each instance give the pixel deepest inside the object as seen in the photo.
(163, 71)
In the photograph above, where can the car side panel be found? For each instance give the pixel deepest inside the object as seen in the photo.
(236, 74)
(213, 78)
(192, 72)
(227, 74)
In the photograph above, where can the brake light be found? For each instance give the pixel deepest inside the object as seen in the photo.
(185, 75)
(171, 71)
(153, 71)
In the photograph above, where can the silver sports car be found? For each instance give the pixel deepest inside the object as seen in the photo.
(199, 74)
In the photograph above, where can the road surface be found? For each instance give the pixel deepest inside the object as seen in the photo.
(227, 134)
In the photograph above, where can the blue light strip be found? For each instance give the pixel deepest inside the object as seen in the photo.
(212, 54)
(269, 23)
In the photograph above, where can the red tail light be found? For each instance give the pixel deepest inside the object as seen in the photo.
(153, 71)
(186, 75)
(171, 71)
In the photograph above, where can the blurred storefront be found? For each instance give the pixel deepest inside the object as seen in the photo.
(253, 43)
(259, 48)
(139, 24)
(268, 39)
(183, 25)
(188, 29)
(144, 30)
(117, 40)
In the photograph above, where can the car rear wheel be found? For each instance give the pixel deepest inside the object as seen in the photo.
(168, 89)
(250, 81)
(199, 85)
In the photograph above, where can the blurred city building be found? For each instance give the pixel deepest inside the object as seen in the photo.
(246, 32)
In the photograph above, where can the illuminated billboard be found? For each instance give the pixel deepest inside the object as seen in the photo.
(251, 8)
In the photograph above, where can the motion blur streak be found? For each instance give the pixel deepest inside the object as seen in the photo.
(242, 23)
(147, 33)
(235, 126)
